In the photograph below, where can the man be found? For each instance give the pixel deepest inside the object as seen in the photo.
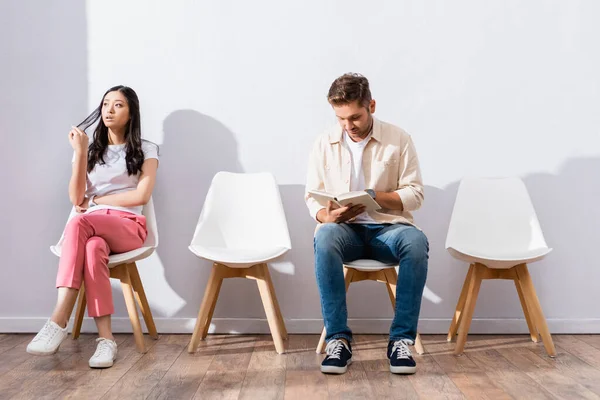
(363, 153)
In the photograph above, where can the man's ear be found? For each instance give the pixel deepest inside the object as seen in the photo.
(372, 106)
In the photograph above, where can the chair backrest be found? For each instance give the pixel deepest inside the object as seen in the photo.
(242, 211)
(147, 211)
(494, 216)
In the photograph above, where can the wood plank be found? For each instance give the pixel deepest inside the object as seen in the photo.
(141, 378)
(369, 352)
(26, 375)
(430, 382)
(185, 375)
(304, 379)
(94, 383)
(386, 385)
(502, 372)
(265, 384)
(543, 371)
(592, 340)
(227, 371)
(9, 341)
(580, 349)
(265, 377)
(301, 355)
(354, 384)
(465, 374)
(571, 365)
(16, 355)
(67, 371)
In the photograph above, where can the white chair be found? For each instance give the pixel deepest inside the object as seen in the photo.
(242, 226)
(372, 270)
(123, 267)
(495, 229)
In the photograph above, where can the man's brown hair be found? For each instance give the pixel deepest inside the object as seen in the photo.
(348, 88)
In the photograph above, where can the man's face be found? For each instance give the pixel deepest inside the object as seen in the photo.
(355, 119)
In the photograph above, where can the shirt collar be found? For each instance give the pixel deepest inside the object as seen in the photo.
(337, 133)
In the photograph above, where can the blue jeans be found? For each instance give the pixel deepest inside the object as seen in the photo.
(336, 244)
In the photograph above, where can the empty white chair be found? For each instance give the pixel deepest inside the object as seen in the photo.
(242, 227)
(123, 267)
(372, 270)
(495, 229)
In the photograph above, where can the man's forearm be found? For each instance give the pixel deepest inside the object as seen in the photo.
(389, 200)
(321, 214)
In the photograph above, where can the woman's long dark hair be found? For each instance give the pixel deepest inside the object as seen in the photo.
(133, 133)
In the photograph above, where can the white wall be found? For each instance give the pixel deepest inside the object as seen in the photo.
(485, 88)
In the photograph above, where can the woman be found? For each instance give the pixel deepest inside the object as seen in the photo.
(111, 181)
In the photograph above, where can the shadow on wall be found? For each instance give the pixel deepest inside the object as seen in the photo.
(567, 207)
(194, 149)
(298, 294)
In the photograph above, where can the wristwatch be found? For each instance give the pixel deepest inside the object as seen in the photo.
(91, 202)
(371, 192)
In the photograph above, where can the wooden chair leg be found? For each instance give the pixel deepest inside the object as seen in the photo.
(79, 312)
(122, 273)
(530, 325)
(267, 296)
(280, 320)
(140, 296)
(348, 274)
(471, 300)
(321, 345)
(208, 306)
(224, 272)
(391, 277)
(460, 305)
(535, 308)
(419, 345)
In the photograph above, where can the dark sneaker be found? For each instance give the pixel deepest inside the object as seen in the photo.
(401, 360)
(339, 356)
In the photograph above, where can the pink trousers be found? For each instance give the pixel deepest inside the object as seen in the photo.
(89, 240)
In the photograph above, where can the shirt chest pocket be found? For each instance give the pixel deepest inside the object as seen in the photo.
(385, 174)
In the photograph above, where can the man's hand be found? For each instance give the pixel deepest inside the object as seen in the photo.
(337, 215)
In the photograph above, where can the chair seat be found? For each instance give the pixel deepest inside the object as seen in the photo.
(500, 260)
(121, 258)
(237, 258)
(369, 265)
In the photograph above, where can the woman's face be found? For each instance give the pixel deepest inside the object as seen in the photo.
(115, 110)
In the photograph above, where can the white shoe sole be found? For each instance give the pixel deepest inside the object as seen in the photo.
(330, 369)
(41, 353)
(101, 365)
(403, 370)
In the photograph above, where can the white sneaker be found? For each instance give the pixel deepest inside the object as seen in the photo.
(48, 340)
(105, 355)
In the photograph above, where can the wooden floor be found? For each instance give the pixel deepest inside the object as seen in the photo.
(247, 367)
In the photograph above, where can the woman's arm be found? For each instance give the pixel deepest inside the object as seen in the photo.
(138, 196)
(79, 141)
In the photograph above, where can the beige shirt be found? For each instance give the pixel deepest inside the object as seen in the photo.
(389, 164)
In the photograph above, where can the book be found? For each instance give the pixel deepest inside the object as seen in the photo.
(360, 197)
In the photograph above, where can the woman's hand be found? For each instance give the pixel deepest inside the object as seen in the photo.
(79, 140)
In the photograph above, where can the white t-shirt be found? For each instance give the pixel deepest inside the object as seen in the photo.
(112, 177)
(357, 177)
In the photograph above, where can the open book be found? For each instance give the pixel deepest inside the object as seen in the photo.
(341, 200)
